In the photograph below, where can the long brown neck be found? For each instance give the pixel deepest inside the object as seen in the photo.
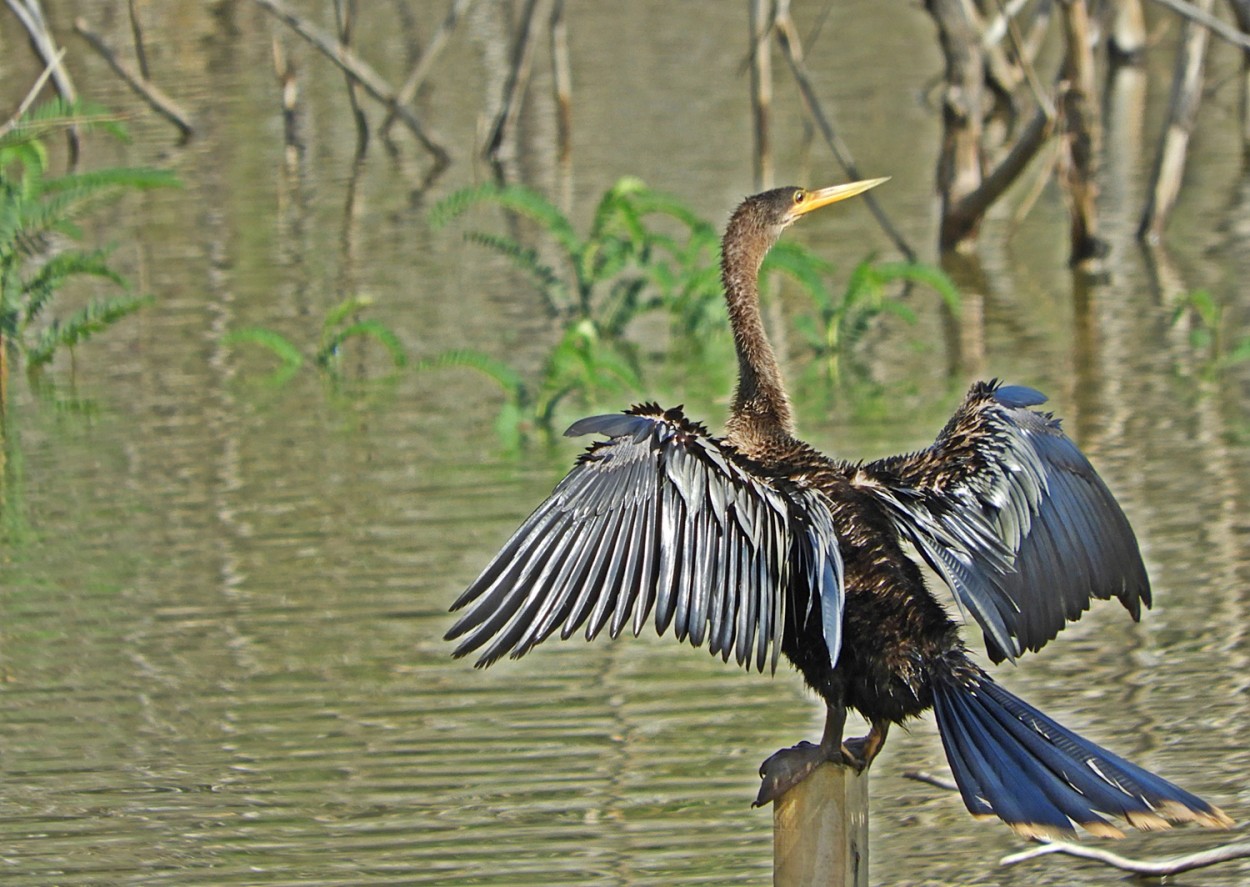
(761, 408)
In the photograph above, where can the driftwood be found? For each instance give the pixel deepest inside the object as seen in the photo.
(144, 88)
(1126, 37)
(30, 14)
(1199, 13)
(291, 139)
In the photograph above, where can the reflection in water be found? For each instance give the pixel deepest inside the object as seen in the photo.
(220, 629)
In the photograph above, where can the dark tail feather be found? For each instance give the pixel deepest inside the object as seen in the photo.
(1014, 762)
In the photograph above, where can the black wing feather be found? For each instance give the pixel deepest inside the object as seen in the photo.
(1009, 512)
(660, 517)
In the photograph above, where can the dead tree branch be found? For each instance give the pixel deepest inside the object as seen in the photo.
(1150, 867)
(1169, 165)
(1200, 14)
(499, 143)
(373, 82)
(144, 88)
(788, 38)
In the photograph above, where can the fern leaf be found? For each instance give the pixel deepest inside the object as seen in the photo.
(505, 376)
(372, 329)
(80, 326)
(277, 344)
(517, 198)
(341, 312)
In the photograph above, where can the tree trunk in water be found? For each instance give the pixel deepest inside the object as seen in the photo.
(1183, 110)
(959, 170)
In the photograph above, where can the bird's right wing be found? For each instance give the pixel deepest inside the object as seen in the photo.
(1013, 517)
(661, 516)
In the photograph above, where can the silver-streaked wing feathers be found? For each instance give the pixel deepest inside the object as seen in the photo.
(1009, 512)
(661, 518)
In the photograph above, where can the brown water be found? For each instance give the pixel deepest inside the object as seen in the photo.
(222, 601)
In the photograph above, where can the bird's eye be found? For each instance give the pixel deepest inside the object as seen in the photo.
(799, 197)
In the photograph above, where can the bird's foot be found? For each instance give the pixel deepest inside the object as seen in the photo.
(788, 767)
(853, 753)
(860, 751)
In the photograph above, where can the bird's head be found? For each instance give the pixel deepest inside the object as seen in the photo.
(771, 212)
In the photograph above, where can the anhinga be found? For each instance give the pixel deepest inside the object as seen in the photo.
(756, 544)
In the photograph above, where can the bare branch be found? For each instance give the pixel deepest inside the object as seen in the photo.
(929, 779)
(1151, 867)
(1201, 17)
(31, 93)
(148, 91)
(788, 37)
(373, 82)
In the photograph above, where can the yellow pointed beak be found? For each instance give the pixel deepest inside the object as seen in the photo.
(826, 196)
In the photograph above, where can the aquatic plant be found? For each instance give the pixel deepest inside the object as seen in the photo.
(38, 213)
(842, 318)
(340, 324)
(645, 251)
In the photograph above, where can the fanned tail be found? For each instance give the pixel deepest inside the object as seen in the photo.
(1011, 761)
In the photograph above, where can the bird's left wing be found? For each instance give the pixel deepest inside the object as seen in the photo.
(661, 517)
(1013, 517)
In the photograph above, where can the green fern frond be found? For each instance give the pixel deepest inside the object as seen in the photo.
(84, 185)
(917, 272)
(370, 329)
(802, 266)
(277, 344)
(40, 289)
(80, 326)
(340, 312)
(519, 199)
(58, 114)
(524, 257)
(505, 376)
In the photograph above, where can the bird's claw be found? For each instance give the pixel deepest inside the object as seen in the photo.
(785, 769)
(853, 753)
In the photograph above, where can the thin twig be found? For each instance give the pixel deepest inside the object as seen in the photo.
(30, 13)
(761, 91)
(425, 61)
(1169, 167)
(788, 37)
(345, 20)
(1207, 20)
(16, 119)
(514, 89)
(373, 82)
(1026, 64)
(1151, 867)
(929, 779)
(136, 31)
(562, 79)
(148, 91)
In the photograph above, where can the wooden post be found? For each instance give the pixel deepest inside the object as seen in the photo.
(820, 831)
